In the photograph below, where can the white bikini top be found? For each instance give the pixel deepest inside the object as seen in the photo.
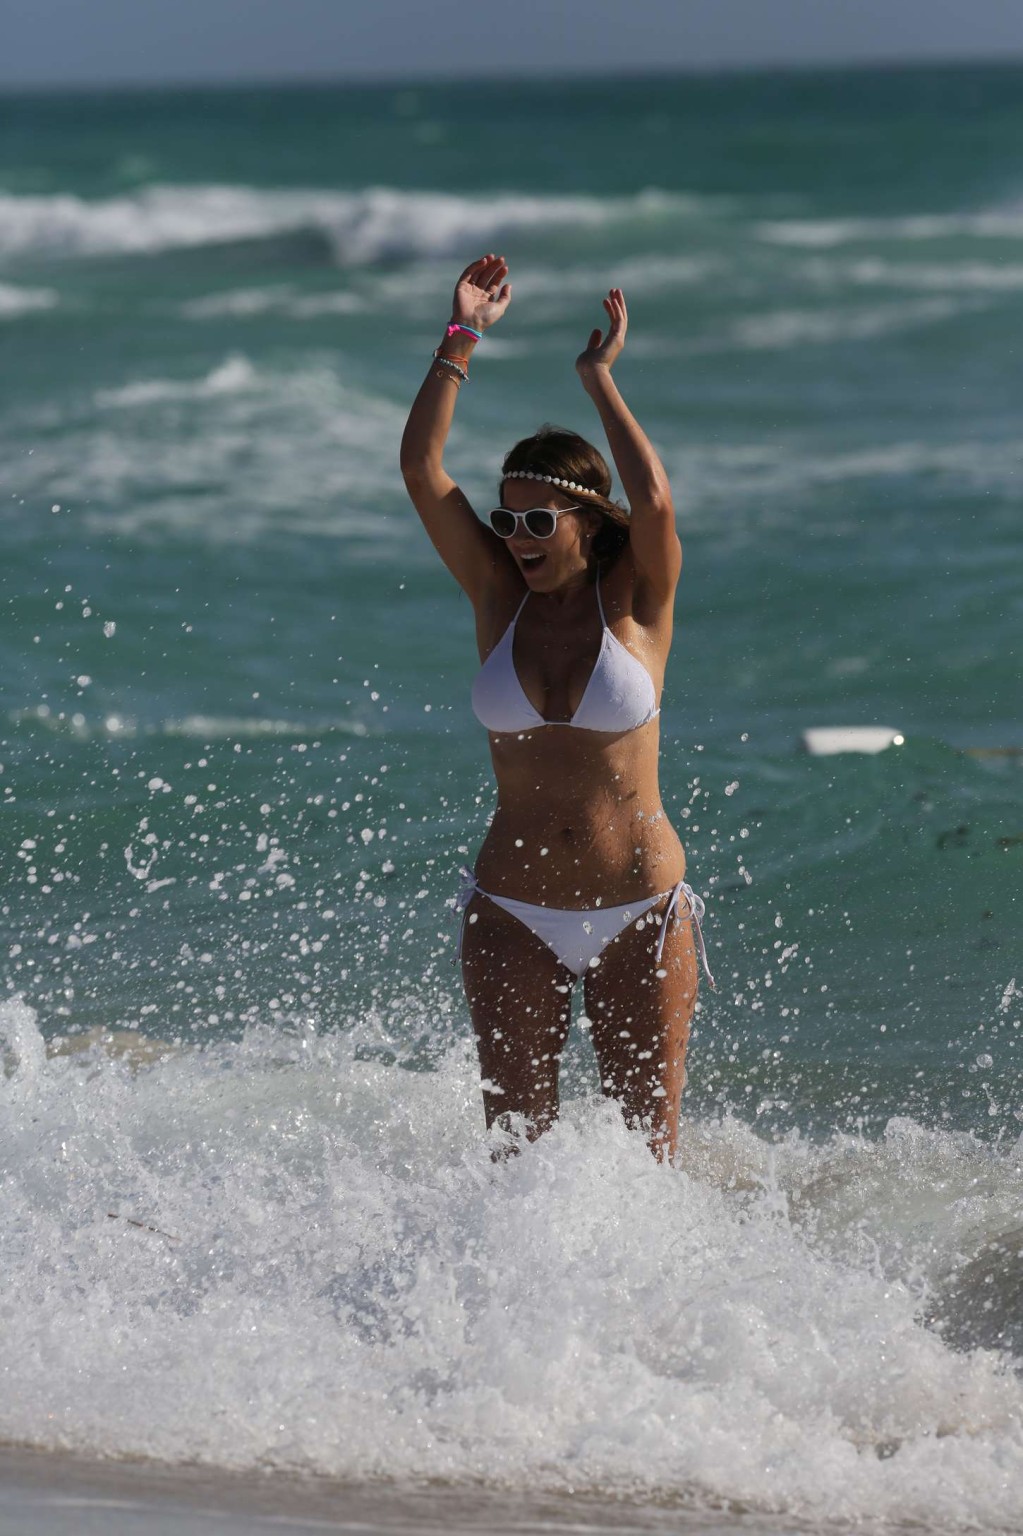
(620, 695)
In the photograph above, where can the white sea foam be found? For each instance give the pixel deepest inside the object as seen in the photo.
(280, 299)
(821, 234)
(640, 272)
(928, 277)
(229, 727)
(15, 301)
(230, 453)
(783, 329)
(359, 227)
(770, 479)
(83, 726)
(287, 1252)
(234, 374)
(238, 451)
(419, 292)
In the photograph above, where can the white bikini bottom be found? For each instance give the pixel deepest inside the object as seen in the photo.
(576, 937)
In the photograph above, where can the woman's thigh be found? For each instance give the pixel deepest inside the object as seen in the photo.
(520, 999)
(639, 1009)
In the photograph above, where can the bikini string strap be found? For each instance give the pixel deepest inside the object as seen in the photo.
(697, 909)
(466, 891)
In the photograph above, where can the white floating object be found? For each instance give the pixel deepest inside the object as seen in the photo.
(826, 740)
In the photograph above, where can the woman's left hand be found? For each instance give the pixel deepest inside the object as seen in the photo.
(602, 351)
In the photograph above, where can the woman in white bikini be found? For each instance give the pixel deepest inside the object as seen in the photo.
(580, 876)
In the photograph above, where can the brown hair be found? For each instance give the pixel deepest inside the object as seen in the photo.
(567, 456)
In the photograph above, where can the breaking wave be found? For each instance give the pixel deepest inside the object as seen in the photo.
(301, 1235)
(359, 227)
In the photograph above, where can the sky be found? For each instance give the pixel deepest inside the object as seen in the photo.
(93, 42)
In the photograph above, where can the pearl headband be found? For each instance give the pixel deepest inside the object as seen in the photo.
(567, 485)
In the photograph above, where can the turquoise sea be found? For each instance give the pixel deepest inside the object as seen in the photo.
(238, 773)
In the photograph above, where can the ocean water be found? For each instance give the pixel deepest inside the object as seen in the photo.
(249, 1215)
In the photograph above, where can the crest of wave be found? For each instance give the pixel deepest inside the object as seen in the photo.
(314, 1263)
(360, 226)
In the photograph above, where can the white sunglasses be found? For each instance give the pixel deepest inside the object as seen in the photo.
(539, 522)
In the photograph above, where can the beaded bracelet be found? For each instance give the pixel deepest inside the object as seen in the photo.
(446, 362)
(454, 326)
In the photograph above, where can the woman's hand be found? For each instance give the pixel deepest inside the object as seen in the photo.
(481, 293)
(602, 351)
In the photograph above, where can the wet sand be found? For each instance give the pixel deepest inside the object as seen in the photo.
(55, 1494)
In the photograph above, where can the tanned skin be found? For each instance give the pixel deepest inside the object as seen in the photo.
(579, 820)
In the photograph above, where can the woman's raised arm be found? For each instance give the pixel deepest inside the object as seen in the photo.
(469, 550)
(653, 539)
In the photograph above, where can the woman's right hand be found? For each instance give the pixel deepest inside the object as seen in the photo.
(481, 293)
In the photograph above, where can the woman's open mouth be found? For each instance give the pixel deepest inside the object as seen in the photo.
(531, 562)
